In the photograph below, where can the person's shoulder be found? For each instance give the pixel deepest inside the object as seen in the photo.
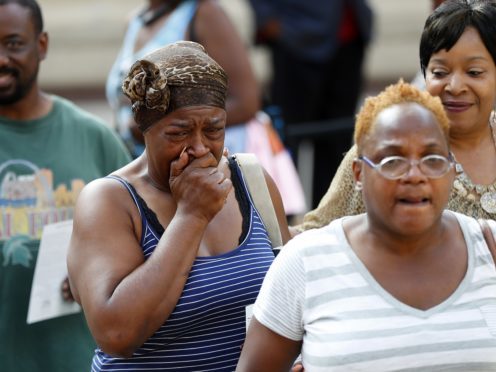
(314, 248)
(102, 197)
(353, 151)
(326, 236)
(79, 118)
(461, 217)
(466, 222)
(209, 8)
(349, 157)
(107, 188)
(85, 122)
(79, 115)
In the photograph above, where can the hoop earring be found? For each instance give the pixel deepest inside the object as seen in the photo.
(358, 186)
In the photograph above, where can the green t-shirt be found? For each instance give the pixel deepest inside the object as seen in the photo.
(44, 164)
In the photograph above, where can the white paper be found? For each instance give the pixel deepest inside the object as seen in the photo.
(46, 300)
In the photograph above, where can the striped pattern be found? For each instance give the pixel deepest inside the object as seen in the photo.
(206, 330)
(319, 291)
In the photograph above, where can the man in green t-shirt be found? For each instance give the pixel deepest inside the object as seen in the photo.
(49, 149)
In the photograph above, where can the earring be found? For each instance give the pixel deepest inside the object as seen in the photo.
(358, 186)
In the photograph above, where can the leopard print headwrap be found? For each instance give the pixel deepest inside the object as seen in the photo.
(177, 75)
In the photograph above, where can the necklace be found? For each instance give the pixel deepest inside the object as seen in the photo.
(485, 193)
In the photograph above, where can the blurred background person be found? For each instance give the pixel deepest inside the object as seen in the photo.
(49, 148)
(160, 22)
(407, 285)
(458, 60)
(168, 251)
(318, 49)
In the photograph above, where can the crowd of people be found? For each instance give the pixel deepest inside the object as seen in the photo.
(457, 54)
(391, 288)
(173, 258)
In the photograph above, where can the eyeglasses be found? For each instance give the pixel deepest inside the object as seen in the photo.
(395, 167)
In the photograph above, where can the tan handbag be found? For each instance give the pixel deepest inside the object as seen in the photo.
(255, 180)
(488, 236)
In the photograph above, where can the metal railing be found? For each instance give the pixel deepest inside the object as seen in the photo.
(301, 136)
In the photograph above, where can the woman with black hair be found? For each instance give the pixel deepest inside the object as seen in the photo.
(458, 59)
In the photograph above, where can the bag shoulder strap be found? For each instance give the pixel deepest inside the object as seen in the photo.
(488, 236)
(255, 180)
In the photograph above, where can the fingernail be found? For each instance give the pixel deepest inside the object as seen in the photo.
(183, 150)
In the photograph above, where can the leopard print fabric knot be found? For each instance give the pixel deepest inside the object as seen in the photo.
(147, 86)
(177, 75)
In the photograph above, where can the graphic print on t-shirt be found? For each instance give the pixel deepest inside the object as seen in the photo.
(28, 201)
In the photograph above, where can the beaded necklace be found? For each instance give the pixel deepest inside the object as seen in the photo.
(486, 194)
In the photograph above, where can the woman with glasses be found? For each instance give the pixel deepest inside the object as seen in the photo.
(458, 60)
(407, 285)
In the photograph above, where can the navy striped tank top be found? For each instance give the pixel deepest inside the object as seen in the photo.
(206, 330)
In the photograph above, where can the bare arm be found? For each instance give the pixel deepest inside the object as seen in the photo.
(220, 38)
(125, 298)
(274, 336)
(265, 350)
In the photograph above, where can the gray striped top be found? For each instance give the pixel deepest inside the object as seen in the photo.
(319, 291)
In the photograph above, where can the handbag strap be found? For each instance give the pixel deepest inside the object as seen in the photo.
(255, 180)
(488, 236)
